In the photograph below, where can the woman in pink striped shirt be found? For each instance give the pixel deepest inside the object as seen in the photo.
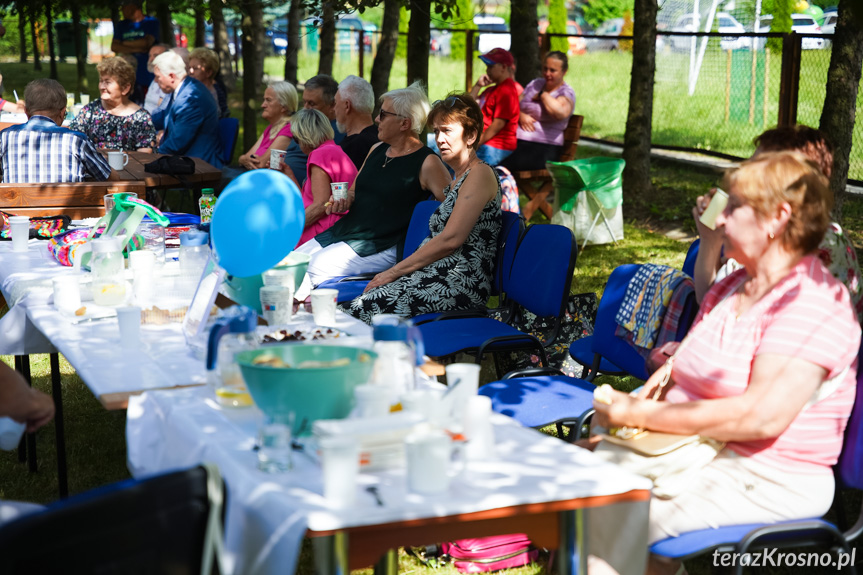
(769, 366)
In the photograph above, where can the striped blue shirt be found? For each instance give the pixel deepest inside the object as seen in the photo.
(42, 152)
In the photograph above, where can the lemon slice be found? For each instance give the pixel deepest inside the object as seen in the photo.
(233, 397)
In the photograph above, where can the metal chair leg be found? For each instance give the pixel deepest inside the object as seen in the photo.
(24, 362)
(57, 392)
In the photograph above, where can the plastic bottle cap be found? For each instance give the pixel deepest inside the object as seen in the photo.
(106, 245)
(194, 238)
(208, 191)
(391, 332)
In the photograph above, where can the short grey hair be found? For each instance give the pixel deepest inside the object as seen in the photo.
(326, 84)
(311, 127)
(359, 93)
(411, 103)
(286, 94)
(170, 63)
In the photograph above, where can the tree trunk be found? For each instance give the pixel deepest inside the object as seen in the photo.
(22, 31)
(419, 36)
(636, 141)
(328, 40)
(386, 49)
(200, 25)
(253, 68)
(52, 55)
(34, 16)
(843, 81)
(291, 64)
(221, 45)
(80, 59)
(166, 29)
(525, 41)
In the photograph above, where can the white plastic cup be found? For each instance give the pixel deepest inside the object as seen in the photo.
(324, 306)
(76, 109)
(118, 160)
(428, 403)
(19, 227)
(371, 400)
(277, 303)
(276, 157)
(428, 458)
(85, 99)
(143, 263)
(129, 319)
(340, 461)
(277, 277)
(339, 190)
(466, 377)
(478, 429)
(714, 208)
(67, 293)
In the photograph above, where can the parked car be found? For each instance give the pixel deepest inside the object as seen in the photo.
(723, 22)
(439, 45)
(828, 27)
(577, 44)
(611, 27)
(800, 23)
(493, 33)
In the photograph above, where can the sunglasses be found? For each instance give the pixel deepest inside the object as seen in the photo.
(449, 102)
(383, 113)
(307, 304)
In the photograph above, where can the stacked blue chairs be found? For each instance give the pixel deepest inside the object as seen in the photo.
(805, 533)
(350, 287)
(539, 282)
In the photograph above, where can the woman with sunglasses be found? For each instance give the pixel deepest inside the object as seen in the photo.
(397, 174)
(452, 269)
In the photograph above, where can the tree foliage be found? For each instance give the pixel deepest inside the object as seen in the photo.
(557, 25)
(598, 11)
(463, 20)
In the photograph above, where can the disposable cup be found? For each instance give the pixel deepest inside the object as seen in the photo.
(339, 190)
(324, 306)
(85, 99)
(714, 208)
(129, 319)
(428, 403)
(277, 277)
(67, 293)
(277, 303)
(464, 378)
(143, 264)
(428, 458)
(19, 227)
(478, 428)
(340, 462)
(371, 400)
(276, 156)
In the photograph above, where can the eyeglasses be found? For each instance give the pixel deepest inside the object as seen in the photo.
(449, 102)
(383, 114)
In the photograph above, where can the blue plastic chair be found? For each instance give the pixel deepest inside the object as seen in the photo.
(539, 281)
(350, 287)
(691, 256)
(809, 532)
(229, 129)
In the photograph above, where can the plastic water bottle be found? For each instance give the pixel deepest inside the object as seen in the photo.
(194, 252)
(10, 433)
(398, 345)
(206, 205)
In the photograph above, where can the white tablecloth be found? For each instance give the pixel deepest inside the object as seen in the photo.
(268, 514)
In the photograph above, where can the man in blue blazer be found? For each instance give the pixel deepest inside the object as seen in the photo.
(190, 122)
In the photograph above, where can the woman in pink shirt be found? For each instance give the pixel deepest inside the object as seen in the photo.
(327, 164)
(279, 104)
(769, 366)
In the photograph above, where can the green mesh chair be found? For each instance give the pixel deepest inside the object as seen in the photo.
(599, 178)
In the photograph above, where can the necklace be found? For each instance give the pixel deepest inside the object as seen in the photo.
(388, 159)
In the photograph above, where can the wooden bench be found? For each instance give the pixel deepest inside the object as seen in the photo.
(526, 180)
(78, 200)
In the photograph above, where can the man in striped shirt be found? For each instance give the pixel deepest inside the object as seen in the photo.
(42, 151)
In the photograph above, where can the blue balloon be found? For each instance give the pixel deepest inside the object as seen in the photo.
(256, 222)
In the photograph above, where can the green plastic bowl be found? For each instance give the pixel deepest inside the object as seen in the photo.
(309, 393)
(247, 291)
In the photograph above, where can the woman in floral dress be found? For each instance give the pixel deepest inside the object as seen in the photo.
(114, 122)
(453, 268)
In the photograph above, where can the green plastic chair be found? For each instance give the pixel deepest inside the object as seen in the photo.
(599, 177)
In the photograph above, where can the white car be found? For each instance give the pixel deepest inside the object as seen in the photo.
(493, 33)
(828, 27)
(724, 23)
(800, 23)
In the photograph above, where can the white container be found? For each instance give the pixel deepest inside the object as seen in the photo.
(277, 303)
(428, 457)
(430, 404)
(465, 376)
(85, 99)
(143, 266)
(118, 160)
(194, 253)
(714, 208)
(340, 462)
(67, 293)
(10, 433)
(106, 265)
(276, 157)
(371, 401)
(324, 306)
(339, 190)
(19, 227)
(478, 429)
(129, 319)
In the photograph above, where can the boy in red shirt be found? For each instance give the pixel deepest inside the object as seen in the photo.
(500, 106)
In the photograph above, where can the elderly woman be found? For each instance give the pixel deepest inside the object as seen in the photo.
(398, 173)
(279, 104)
(546, 105)
(769, 366)
(456, 262)
(327, 164)
(114, 121)
(204, 66)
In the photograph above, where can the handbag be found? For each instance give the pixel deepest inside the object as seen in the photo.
(484, 554)
(41, 227)
(172, 166)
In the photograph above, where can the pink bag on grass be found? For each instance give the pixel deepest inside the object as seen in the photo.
(485, 554)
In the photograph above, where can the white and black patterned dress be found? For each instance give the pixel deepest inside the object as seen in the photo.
(461, 280)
